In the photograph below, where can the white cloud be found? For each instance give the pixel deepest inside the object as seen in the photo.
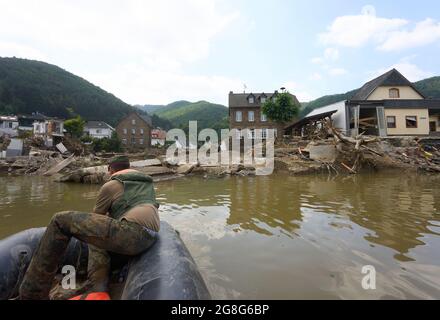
(411, 71)
(156, 39)
(315, 76)
(337, 71)
(424, 33)
(358, 30)
(297, 90)
(10, 49)
(317, 60)
(161, 87)
(331, 54)
(387, 34)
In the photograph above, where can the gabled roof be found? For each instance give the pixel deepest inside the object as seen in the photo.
(240, 100)
(391, 78)
(98, 125)
(34, 116)
(145, 118)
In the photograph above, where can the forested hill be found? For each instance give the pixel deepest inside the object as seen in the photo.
(429, 87)
(179, 113)
(28, 86)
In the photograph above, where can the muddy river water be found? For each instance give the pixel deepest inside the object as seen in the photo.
(280, 237)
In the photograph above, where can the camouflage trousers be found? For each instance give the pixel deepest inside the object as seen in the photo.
(103, 235)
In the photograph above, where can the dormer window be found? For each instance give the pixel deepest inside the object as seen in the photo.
(394, 93)
(251, 100)
(263, 99)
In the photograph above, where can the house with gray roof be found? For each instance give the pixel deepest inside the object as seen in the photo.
(98, 129)
(389, 105)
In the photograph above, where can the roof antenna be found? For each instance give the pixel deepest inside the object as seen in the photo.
(244, 88)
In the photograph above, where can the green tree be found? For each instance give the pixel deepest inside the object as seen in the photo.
(112, 144)
(75, 127)
(283, 109)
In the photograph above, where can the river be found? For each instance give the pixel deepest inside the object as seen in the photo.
(280, 237)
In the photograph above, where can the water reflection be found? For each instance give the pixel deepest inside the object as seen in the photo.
(261, 204)
(280, 236)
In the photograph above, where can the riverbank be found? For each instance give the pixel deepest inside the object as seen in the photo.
(335, 155)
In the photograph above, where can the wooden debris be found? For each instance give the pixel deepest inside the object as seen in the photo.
(59, 166)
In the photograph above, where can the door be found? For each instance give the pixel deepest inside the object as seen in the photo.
(381, 121)
(432, 126)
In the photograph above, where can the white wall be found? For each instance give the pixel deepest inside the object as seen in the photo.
(383, 93)
(5, 128)
(104, 133)
(157, 141)
(339, 118)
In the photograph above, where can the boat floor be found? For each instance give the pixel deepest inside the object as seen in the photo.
(116, 289)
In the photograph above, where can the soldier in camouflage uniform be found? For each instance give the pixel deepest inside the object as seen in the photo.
(125, 222)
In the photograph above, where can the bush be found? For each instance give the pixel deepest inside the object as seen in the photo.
(112, 144)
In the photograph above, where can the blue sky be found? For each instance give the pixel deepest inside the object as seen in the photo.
(156, 52)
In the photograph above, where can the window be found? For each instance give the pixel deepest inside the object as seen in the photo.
(142, 131)
(133, 122)
(411, 121)
(124, 141)
(391, 122)
(263, 99)
(10, 125)
(141, 141)
(251, 100)
(238, 116)
(394, 93)
(125, 131)
(251, 134)
(263, 117)
(251, 116)
(98, 131)
(133, 131)
(133, 140)
(264, 133)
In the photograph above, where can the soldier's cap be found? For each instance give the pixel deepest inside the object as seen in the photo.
(119, 160)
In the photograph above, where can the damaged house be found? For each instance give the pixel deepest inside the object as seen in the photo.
(50, 129)
(389, 105)
(9, 126)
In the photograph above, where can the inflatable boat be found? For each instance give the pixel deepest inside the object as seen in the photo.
(165, 272)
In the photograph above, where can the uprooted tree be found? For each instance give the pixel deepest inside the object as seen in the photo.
(355, 147)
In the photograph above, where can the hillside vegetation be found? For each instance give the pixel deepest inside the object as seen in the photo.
(28, 86)
(179, 113)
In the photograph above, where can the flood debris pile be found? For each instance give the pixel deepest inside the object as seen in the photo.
(336, 153)
(99, 174)
(4, 142)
